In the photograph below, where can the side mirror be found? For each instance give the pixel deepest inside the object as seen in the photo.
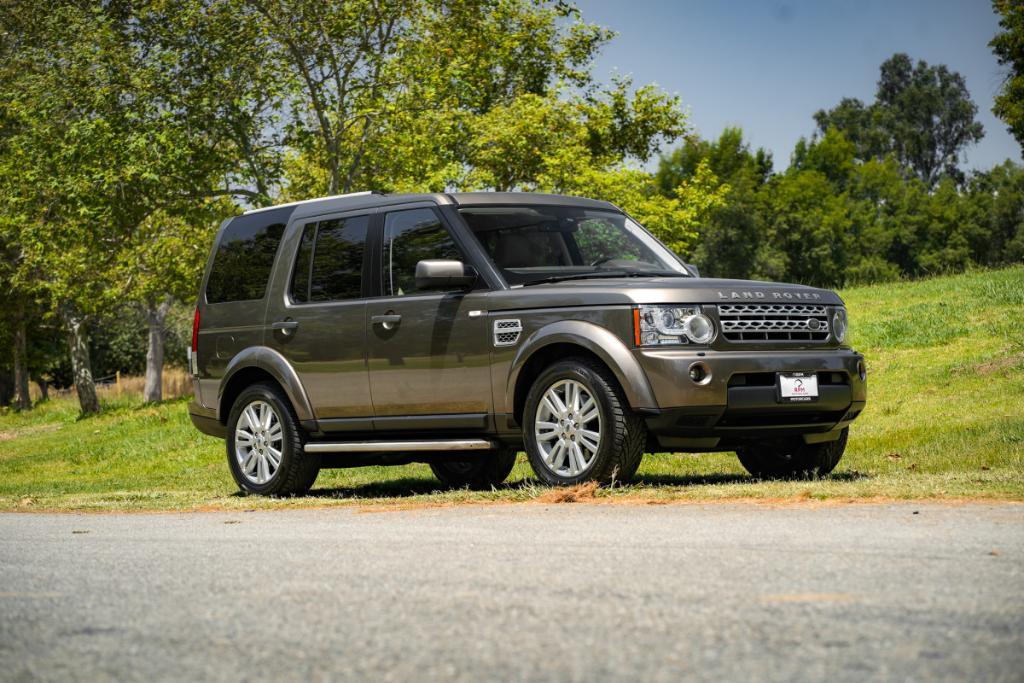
(693, 269)
(438, 274)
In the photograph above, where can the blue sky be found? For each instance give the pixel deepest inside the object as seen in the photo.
(768, 66)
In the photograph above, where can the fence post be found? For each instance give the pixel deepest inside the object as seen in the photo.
(117, 381)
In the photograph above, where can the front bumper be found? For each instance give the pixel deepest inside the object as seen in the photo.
(738, 403)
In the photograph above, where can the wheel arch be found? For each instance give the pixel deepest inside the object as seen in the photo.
(576, 337)
(260, 363)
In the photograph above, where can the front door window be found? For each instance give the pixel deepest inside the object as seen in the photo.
(410, 237)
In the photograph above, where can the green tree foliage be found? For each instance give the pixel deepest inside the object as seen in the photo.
(832, 219)
(922, 114)
(875, 194)
(99, 140)
(731, 228)
(1008, 46)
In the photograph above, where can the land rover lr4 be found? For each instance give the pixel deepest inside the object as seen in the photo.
(460, 329)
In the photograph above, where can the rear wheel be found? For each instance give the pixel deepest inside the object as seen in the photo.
(792, 458)
(265, 444)
(478, 472)
(578, 426)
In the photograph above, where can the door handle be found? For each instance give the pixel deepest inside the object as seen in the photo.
(286, 327)
(388, 321)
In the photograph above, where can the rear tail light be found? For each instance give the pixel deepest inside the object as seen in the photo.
(193, 357)
(195, 331)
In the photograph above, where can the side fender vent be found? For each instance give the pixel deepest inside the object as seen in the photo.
(506, 332)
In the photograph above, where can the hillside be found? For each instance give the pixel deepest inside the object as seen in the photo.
(945, 419)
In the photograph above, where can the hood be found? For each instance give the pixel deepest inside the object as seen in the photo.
(657, 290)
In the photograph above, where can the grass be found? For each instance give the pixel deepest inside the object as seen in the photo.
(945, 419)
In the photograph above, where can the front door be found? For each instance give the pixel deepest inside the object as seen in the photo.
(428, 351)
(320, 324)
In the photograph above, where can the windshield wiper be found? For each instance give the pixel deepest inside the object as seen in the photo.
(602, 274)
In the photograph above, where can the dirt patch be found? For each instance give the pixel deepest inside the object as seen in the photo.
(573, 494)
(1000, 365)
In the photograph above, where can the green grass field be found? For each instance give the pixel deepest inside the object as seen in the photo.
(945, 419)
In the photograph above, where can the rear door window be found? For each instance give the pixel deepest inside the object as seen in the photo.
(329, 263)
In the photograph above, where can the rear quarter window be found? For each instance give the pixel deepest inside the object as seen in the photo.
(245, 256)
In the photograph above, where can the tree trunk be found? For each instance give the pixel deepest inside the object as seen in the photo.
(155, 317)
(22, 400)
(81, 365)
(44, 389)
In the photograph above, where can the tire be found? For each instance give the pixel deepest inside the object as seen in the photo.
(793, 459)
(296, 470)
(622, 434)
(480, 472)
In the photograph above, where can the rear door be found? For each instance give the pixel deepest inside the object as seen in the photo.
(319, 324)
(234, 296)
(428, 351)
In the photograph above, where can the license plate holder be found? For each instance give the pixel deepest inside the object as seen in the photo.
(796, 387)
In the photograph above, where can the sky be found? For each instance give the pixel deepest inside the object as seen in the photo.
(769, 66)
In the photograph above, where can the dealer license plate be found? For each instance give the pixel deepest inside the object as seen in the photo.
(798, 387)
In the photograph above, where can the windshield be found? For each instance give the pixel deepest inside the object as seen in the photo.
(532, 244)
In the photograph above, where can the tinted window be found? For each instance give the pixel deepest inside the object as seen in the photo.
(338, 259)
(300, 275)
(245, 256)
(410, 237)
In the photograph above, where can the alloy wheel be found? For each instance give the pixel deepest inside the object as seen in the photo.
(568, 428)
(259, 440)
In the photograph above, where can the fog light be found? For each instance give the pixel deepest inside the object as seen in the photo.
(699, 373)
(862, 370)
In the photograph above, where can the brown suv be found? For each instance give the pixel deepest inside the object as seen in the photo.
(459, 329)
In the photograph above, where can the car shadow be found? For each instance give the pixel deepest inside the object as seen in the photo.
(683, 480)
(408, 487)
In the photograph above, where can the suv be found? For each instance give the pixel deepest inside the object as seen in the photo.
(458, 329)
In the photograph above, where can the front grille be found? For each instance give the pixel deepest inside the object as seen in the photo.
(774, 322)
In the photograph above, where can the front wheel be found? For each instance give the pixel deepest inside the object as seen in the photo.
(578, 426)
(478, 472)
(793, 459)
(265, 445)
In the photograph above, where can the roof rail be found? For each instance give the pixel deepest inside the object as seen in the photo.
(309, 201)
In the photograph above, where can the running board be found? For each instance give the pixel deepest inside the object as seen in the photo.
(399, 446)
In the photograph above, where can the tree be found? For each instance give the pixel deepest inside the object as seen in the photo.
(922, 114)
(98, 141)
(726, 157)
(997, 205)
(383, 94)
(1008, 46)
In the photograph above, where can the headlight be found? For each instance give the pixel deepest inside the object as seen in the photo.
(672, 325)
(839, 324)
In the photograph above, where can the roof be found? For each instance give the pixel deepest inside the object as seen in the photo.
(308, 201)
(505, 198)
(360, 200)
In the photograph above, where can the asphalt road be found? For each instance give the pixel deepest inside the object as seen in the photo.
(528, 592)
